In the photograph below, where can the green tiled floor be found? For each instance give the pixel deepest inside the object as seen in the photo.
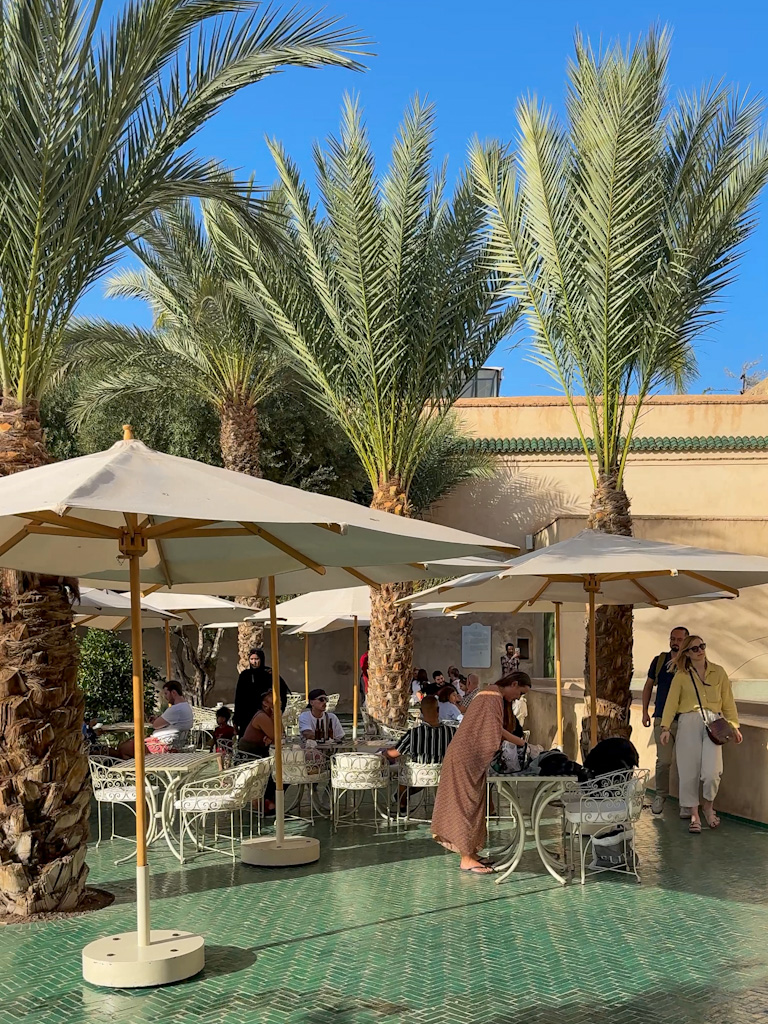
(385, 929)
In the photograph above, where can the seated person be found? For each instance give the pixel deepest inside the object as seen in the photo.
(455, 678)
(175, 720)
(259, 734)
(471, 690)
(448, 710)
(425, 743)
(438, 681)
(224, 733)
(416, 684)
(318, 724)
(258, 737)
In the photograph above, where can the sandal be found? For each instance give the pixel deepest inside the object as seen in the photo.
(695, 828)
(712, 821)
(478, 869)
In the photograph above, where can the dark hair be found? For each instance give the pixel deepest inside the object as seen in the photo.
(430, 701)
(509, 643)
(264, 695)
(422, 676)
(223, 712)
(680, 629)
(173, 686)
(446, 692)
(515, 679)
(437, 673)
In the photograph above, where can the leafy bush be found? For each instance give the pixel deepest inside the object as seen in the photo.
(105, 676)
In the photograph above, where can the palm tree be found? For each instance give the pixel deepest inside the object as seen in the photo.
(387, 307)
(617, 232)
(94, 128)
(205, 345)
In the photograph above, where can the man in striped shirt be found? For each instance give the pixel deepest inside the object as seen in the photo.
(428, 742)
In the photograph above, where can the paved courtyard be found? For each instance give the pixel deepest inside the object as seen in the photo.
(385, 929)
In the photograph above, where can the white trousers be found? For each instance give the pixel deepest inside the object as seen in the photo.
(699, 760)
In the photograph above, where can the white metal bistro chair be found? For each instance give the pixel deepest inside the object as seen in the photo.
(600, 815)
(332, 702)
(393, 735)
(356, 773)
(113, 788)
(293, 708)
(228, 793)
(307, 770)
(423, 777)
(203, 726)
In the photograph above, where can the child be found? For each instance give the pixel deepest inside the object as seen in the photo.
(223, 735)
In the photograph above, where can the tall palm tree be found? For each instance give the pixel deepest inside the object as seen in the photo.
(617, 233)
(94, 128)
(387, 307)
(204, 343)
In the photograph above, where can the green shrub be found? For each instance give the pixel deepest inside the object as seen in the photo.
(105, 676)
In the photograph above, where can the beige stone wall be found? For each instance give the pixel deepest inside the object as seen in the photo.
(743, 790)
(437, 645)
(709, 499)
(662, 416)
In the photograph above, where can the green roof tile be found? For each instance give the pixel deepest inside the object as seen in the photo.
(572, 445)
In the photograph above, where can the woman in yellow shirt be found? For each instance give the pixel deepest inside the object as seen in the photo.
(699, 760)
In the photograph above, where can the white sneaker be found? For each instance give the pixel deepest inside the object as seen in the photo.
(657, 806)
(685, 812)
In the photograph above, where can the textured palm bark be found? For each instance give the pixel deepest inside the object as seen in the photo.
(240, 441)
(610, 513)
(44, 783)
(390, 643)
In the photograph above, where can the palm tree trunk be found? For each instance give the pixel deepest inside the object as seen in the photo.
(613, 625)
(44, 786)
(390, 644)
(240, 440)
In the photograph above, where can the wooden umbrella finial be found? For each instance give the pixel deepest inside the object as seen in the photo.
(127, 432)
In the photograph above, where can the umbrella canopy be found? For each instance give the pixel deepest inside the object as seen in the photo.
(103, 609)
(66, 519)
(625, 570)
(201, 610)
(130, 512)
(606, 569)
(303, 581)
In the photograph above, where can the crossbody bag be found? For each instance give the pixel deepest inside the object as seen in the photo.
(719, 730)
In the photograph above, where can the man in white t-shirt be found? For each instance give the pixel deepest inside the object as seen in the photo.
(168, 727)
(318, 724)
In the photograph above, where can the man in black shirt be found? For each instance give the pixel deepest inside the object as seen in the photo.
(660, 676)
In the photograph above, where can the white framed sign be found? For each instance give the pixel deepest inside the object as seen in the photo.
(476, 646)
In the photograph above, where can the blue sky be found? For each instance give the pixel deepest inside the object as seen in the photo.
(474, 60)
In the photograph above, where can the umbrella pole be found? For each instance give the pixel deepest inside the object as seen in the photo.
(168, 673)
(278, 851)
(592, 672)
(276, 698)
(142, 869)
(306, 666)
(355, 677)
(558, 679)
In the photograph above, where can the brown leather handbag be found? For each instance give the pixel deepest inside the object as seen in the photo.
(719, 730)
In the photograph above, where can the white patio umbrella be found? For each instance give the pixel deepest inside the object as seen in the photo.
(130, 512)
(104, 609)
(349, 607)
(606, 569)
(201, 610)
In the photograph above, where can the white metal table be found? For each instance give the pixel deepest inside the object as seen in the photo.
(171, 770)
(547, 789)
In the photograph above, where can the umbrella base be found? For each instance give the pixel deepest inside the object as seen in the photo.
(118, 962)
(267, 852)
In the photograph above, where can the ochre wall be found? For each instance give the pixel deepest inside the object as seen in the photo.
(706, 499)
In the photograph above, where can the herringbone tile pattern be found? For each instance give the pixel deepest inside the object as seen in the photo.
(386, 930)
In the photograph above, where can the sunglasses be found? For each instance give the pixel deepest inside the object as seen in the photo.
(696, 648)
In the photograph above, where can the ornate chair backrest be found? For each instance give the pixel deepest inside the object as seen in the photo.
(358, 771)
(300, 765)
(424, 776)
(333, 700)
